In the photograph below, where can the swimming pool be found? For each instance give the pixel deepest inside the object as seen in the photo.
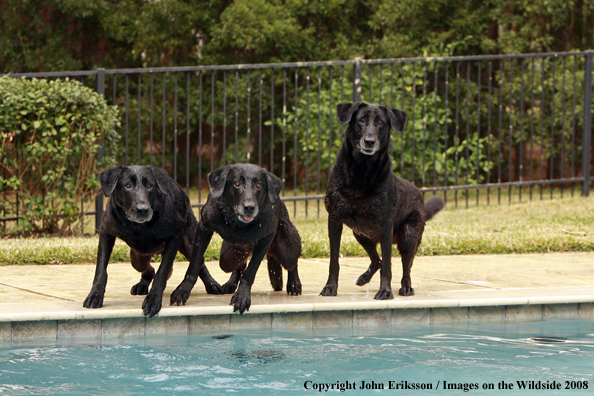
(444, 359)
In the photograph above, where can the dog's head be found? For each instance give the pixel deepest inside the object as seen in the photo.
(369, 125)
(248, 188)
(134, 189)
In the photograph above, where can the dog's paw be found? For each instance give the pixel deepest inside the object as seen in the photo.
(241, 302)
(364, 278)
(276, 283)
(294, 288)
(140, 289)
(213, 287)
(94, 300)
(329, 290)
(406, 291)
(277, 286)
(229, 288)
(384, 295)
(180, 295)
(152, 304)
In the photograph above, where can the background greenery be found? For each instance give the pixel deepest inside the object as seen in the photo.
(51, 35)
(469, 122)
(529, 129)
(57, 35)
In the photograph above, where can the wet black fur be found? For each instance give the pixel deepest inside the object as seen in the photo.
(270, 233)
(171, 228)
(380, 207)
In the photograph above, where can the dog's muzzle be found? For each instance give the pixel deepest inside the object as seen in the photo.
(368, 146)
(142, 214)
(246, 213)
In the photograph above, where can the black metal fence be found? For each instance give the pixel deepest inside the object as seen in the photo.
(478, 126)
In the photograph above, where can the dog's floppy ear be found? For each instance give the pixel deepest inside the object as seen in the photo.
(216, 181)
(345, 111)
(161, 177)
(274, 186)
(109, 179)
(397, 119)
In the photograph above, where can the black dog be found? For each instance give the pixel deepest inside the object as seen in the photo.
(378, 206)
(152, 214)
(244, 208)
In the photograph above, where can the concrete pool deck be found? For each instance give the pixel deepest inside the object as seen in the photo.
(46, 300)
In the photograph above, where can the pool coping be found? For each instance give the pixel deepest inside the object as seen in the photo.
(359, 320)
(46, 301)
(296, 308)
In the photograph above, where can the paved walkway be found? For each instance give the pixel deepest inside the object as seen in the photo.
(35, 292)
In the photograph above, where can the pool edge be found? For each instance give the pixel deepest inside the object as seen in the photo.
(179, 320)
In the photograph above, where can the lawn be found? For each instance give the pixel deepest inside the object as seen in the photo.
(540, 226)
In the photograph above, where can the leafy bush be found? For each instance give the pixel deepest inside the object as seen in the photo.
(50, 151)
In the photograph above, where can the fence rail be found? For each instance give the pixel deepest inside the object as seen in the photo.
(475, 123)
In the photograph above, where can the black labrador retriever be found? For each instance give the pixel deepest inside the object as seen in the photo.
(244, 208)
(368, 197)
(151, 213)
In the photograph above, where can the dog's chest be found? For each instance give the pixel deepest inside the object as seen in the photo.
(147, 238)
(362, 213)
(144, 245)
(242, 236)
(363, 225)
(354, 203)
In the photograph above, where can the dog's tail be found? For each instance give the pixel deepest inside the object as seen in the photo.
(433, 205)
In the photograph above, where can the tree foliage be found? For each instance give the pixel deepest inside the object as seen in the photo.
(50, 35)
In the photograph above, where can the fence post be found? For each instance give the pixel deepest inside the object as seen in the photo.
(99, 197)
(587, 132)
(357, 80)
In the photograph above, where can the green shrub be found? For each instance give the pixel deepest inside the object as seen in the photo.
(52, 133)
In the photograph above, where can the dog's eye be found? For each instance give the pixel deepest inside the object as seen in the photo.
(128, 186)
(362, 121)
(149, 186)
(380, 122)
(237, 184)
(258, 185)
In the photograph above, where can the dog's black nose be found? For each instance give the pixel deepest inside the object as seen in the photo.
(369, 143)
(249, 210)
(142, 209)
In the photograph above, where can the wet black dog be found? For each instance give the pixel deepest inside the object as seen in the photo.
(378, 206)
(245, 209)
(151, 213)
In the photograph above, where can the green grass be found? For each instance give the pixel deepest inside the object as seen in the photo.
(540, 226)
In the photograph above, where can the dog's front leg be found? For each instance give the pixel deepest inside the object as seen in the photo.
(154, 299)
(385, 290)
(95, 297)
(181, 293)
(210, 284)
(242, 299)
(334, 234)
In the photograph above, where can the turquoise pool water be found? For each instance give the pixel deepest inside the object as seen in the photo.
(442, 360)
